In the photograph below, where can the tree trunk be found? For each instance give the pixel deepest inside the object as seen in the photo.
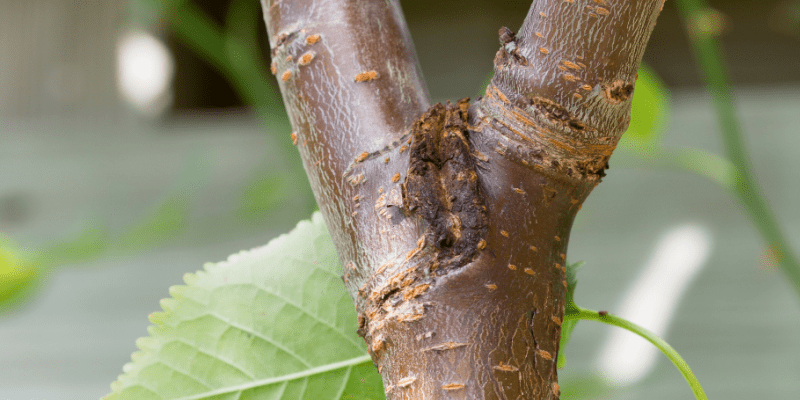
(452, 221)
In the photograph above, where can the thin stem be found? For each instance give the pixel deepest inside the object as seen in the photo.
(700, 21)
(227, 53)
(665, 348)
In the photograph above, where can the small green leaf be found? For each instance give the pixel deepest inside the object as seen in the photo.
(569, 306)
(18, 275)
(274, 322)
(649, 111)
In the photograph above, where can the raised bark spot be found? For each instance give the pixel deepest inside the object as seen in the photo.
(313, 39)
(306, 58)
(452, 386)
(366, 76)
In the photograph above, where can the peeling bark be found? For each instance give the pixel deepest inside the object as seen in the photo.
(452, 221)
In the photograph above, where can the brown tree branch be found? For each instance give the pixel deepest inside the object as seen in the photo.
(582, 56)
(352, 87)
(453, 223)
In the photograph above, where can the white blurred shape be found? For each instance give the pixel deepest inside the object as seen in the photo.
(651, 301)
(145, 68)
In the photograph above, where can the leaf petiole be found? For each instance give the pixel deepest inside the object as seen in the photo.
(578, 313)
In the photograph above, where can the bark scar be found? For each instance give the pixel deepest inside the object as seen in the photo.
(442, 186)
(557, 114)
(618, 91)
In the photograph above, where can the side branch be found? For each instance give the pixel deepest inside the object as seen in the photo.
(573, 65)
(352, 87)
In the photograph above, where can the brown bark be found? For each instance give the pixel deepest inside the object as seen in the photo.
(453, 223)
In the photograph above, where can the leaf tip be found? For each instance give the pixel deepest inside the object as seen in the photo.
(169, 304)
(158, 318)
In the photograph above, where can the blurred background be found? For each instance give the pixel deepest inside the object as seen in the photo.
(142, 138)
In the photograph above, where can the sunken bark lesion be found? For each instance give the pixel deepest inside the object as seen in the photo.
(442, 186)
(442, 189)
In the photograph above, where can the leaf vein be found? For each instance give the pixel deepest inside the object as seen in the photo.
(303, 391)
(283, 378)
(315, 317)
(344, 382)
(186, 374)
(216, 357)
(262, 337)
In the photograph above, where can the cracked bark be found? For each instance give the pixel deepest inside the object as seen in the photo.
(452, 221)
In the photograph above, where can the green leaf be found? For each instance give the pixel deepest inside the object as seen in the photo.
(273, 323)
(649, 111)
(569, 306)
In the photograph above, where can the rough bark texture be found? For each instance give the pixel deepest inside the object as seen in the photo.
(452, 221)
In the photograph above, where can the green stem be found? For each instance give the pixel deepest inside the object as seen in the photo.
(699, 20)
(591, 315)
(235, 60)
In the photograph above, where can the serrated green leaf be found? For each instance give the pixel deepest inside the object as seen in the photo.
(649, 111)
(569, 306)
(272, 323)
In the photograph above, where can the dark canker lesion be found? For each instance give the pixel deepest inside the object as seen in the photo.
(441, 185)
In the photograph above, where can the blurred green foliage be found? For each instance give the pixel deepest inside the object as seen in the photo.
(262, 196)
(584, 387)
(171, 215)
(650, 111)
(231, 49)
(18, 274)
(569, 304)
(703, 25)
(21, 271)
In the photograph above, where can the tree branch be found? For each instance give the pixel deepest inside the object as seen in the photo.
(583, 56)
(352, 87)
